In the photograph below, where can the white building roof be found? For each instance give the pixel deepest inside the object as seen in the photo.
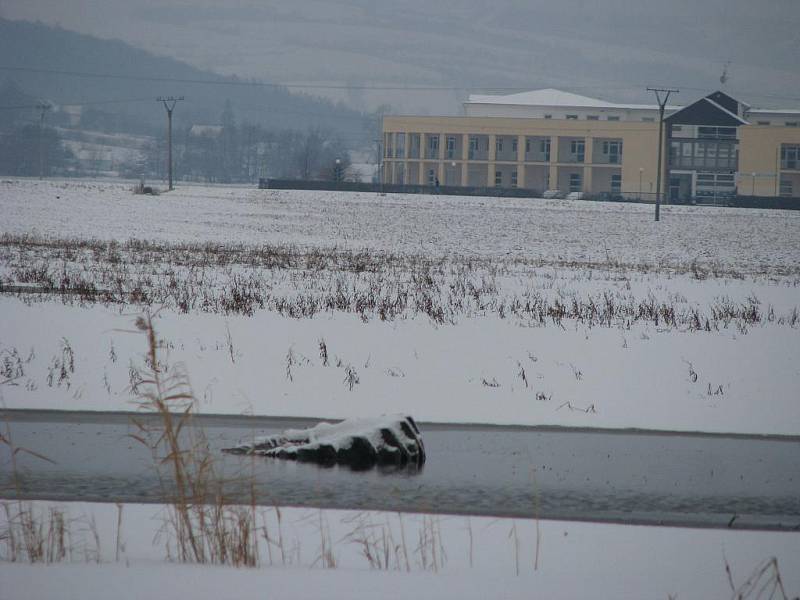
(774, 111)
(554, 97)
(210, 130)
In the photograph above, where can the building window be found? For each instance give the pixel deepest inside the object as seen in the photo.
(514, 178)
(592, 118)
(474, 147)
(616, 184)
(786, 187)
(613, 118)
(575, 182)
(649, 119)
(498, 145)
(715, 185)
(432, 177)
(677, 128)
(414, 143)
(613, 150)
(514, 143)
(572, 117)
(544, 148)
(451, 146)
(400, 145)
(498, 178)
(790, 156)
(577, 149)
(433, 146)
(716, 132)
(762, 123)
(387, 145)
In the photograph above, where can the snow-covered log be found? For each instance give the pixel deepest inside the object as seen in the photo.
(360, 443)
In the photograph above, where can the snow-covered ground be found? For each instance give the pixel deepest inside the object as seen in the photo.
(474, 558)
(752, 241)
(446, 308)
(471, 372)
(337, 305)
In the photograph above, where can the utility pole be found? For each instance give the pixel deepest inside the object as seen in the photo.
(379, 156)
(662, 103)
(169, 104)
(42, 107)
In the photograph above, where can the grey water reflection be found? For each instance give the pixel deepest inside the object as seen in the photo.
(626, 477)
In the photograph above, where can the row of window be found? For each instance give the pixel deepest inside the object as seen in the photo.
(692, 154)
(597, 118)
(575, 180)
(536, 149)
(786, 123)
(790, 156)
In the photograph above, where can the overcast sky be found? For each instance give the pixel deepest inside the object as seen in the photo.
(607, 48)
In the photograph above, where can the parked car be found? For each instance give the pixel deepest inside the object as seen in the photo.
(553, 194)
(576, 196)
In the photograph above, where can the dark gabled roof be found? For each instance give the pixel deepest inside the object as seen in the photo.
(727, 102)
(717, 109)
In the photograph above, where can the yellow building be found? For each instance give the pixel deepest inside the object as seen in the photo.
(566, 143)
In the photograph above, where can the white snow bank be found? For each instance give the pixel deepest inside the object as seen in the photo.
(483, 558)
(470, 372)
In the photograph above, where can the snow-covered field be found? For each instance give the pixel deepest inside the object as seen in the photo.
(751, 241)
(450, 309)
(324, 554)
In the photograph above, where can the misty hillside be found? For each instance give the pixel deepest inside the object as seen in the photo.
(609, 48)
(126, 101)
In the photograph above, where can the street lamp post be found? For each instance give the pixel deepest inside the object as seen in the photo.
(641, 172)
(337, 172)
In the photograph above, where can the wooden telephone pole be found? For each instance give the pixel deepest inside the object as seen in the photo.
(662, 103)
(169, 104)
(42, 107)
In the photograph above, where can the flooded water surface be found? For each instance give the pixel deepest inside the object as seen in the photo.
(520, 472)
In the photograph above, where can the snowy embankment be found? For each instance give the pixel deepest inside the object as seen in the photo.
(449, 309)
(75, 358)
(366, 555)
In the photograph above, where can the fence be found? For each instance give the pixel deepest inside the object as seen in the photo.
(497, 192)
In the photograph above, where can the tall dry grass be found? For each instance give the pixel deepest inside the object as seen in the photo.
(202, 525)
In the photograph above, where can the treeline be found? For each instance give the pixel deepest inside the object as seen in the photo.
(227, 152)
(232, 153)
(28, 151)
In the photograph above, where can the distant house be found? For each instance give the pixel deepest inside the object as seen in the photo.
(554, 140)
(212, 131)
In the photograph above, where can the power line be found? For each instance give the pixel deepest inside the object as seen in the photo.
(60, 104)
(322, 86)
(43, 107)
(234, 82)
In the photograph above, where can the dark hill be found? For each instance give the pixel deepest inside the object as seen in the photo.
(54, 56)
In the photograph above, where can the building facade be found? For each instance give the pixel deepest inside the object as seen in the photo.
(553, 140)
